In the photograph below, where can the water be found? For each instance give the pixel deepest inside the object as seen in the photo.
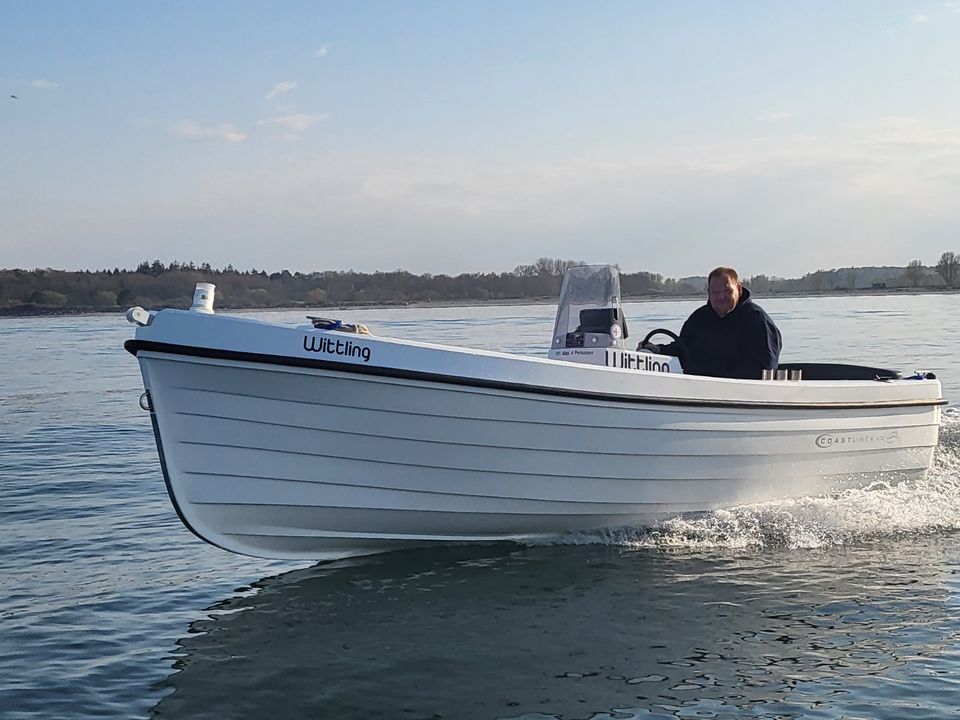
(819, 607)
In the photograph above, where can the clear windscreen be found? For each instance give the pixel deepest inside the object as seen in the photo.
(589, 303)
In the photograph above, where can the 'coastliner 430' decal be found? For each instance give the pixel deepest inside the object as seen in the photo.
(335, 346)
(828, 440)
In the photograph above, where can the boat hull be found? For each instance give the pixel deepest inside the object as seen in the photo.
(314, 459)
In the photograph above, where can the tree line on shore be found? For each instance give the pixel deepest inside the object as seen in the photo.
(155, 284)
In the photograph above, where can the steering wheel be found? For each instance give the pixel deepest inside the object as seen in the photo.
(658, 331)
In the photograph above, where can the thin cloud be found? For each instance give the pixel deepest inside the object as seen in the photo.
(192, 131)
(953, 6)
(774, 116)
(281, 88)
(322, 51)
(45, 84)
(919, 18)
(296, 123)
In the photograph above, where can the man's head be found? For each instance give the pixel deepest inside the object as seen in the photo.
(724, 290)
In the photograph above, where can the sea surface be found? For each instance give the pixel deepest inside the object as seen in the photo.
(842, 607)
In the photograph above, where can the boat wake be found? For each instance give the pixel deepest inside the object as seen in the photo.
(915, 507)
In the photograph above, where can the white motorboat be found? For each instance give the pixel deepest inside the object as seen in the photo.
(317, 442)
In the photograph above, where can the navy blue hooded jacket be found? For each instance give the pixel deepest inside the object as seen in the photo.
(740, 344)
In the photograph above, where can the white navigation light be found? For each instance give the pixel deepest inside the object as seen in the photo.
(203, 298)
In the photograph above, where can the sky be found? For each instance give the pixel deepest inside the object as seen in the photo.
(448, 137)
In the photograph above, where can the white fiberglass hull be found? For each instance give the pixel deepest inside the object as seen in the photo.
(276, 449)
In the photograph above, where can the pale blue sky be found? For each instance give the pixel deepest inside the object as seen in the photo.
(447, 137)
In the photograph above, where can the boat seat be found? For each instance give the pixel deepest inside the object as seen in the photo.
(840, 371)
(599, 320)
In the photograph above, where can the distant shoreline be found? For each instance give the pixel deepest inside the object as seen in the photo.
(26, 311)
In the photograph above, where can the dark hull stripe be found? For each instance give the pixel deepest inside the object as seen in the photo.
(136, 346)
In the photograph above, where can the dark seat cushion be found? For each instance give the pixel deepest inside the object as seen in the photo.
(840, 371)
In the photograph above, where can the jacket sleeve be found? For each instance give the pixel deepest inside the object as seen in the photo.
(763, 348)
(678, 348)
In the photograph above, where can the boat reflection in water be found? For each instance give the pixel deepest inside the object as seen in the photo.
(581, 631)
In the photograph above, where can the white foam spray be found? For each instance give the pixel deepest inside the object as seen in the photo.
(914, 507)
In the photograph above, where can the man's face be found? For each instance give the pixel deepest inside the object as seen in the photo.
(724, 294)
